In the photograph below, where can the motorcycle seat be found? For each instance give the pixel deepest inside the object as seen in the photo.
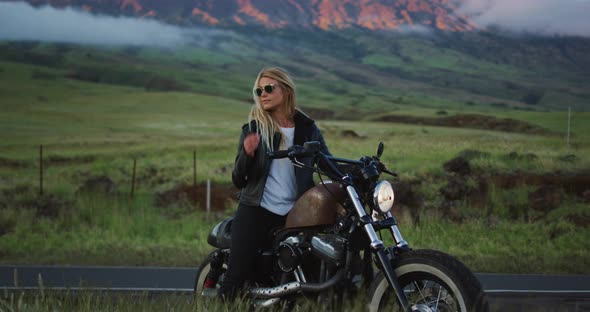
(220, 236)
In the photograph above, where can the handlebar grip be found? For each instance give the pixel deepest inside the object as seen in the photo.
(278, 154)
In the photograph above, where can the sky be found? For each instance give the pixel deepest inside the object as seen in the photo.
(545, 17)
(20, 21)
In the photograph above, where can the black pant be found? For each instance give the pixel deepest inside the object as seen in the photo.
(250, 233)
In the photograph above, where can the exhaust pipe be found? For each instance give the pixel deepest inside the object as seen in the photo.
(289, 288)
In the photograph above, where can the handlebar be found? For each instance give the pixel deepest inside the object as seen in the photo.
(312, 150)
(278, 154)
(294, 151)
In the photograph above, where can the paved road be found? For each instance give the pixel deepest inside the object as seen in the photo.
(507, 292)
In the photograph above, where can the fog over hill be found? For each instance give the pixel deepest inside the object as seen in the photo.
(70, 25)
(542, 17)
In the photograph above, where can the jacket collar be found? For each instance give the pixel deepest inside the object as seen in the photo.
(303, 128)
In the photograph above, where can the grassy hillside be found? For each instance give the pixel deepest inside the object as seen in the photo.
(367, 70)
(475, 68)
(141, 94)
(94, 110)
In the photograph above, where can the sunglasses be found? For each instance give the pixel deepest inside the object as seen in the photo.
(268, 89)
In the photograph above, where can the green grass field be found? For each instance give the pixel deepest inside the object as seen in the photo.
(97, 127)
(47, 300)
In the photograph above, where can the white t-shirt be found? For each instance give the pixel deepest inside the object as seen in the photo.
(280, 190)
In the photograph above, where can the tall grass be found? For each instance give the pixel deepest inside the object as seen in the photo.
(119, 231)
(98, 230)
(87, 300)
(492, 245)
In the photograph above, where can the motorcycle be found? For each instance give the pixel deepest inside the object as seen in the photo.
(331, 245)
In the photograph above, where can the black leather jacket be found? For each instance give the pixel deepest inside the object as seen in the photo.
(250, 173)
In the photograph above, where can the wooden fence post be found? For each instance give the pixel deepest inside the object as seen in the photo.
(41, 169)
(133, 178)
(195, 169)
(208, 196)
(569, 123)
(195, 179)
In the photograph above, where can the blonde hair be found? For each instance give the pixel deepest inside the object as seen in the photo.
(265, 124)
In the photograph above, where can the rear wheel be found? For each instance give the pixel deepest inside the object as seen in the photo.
(210, 274)
(433, 282)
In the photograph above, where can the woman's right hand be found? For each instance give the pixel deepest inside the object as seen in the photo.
(251, 143)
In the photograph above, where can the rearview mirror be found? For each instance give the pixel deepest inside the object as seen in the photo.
(312, 146)
(380, 149)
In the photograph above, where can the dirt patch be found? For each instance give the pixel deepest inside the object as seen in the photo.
(6, 226)
(50, 205)
(12, 163)
(546, 191)
(545, 198)
(514, 156)
(188, 194)
(570, 158)
(472, 121)
(573, 183)
(351, 134)
(319, 113)
(582, 221)
(27, 197)
(165, 84)
(456, 188)
(56, 160)
(151, 176)
(53, 160)
(407, 199)
(470, 154)
(102, 185)
(458, 165)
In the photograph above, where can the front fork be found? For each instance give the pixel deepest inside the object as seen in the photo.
(378, 248)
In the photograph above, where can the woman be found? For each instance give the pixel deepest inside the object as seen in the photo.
(268, 188)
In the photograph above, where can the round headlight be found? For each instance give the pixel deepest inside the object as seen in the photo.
(383, 196)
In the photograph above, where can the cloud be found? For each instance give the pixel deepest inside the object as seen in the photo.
(546, 17)
(415, 29)
(20, 21)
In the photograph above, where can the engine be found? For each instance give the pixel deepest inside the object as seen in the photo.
(289, 253)
(328, 247)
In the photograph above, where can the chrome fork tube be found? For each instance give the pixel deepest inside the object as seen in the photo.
(376, 243)
(379, 250)
(397, 235)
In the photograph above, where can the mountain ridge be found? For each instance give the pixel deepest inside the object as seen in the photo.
(321, 14)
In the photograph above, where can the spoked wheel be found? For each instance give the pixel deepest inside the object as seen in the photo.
(432, 282)
(424, 294)
(210, 274)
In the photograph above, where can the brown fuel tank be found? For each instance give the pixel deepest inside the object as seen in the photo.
(319, 205)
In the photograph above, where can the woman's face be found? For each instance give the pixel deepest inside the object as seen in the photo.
(273, 100)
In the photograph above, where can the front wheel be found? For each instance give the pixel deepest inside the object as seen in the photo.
(433, 282)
